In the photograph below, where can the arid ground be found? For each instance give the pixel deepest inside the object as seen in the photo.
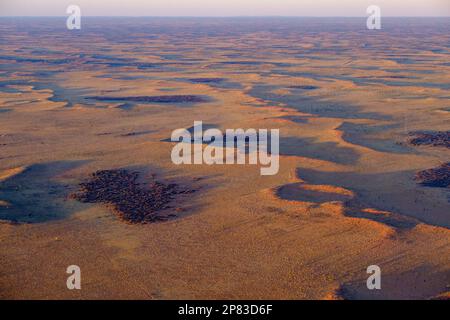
(348, 101)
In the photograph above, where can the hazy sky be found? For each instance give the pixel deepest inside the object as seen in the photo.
(225, 7)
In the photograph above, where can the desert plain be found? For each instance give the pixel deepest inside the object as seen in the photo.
(346, 100)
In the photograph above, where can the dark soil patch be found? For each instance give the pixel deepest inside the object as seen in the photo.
(132, 201)
(156, 99)
(437, 177)
(435, 139)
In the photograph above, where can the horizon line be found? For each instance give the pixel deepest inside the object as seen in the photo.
(230, 16)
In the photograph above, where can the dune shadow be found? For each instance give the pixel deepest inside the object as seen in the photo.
(328, 151)
(312, 105)
(419, 283)
(36, 196)
(221, 83)
(296, 119)
(365, 135)
(394, 192)
(288, 146)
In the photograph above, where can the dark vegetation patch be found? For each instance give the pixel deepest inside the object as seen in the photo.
(206, 80)
(214, 82)
(397, 77)
(435, 139)
(305, 87)
(131, 200)
(136, 133)
(20, 59)
(192, 129)
(437, 177)
(386, 77)
(245, 63)
(155, 99)
(138, 65)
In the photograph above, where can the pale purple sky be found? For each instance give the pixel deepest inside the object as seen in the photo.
(318, 8)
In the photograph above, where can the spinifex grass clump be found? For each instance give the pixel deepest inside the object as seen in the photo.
(133, 201)
(435, 139)
(437, 177)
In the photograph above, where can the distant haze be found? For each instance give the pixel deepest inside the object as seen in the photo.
(317, 8)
